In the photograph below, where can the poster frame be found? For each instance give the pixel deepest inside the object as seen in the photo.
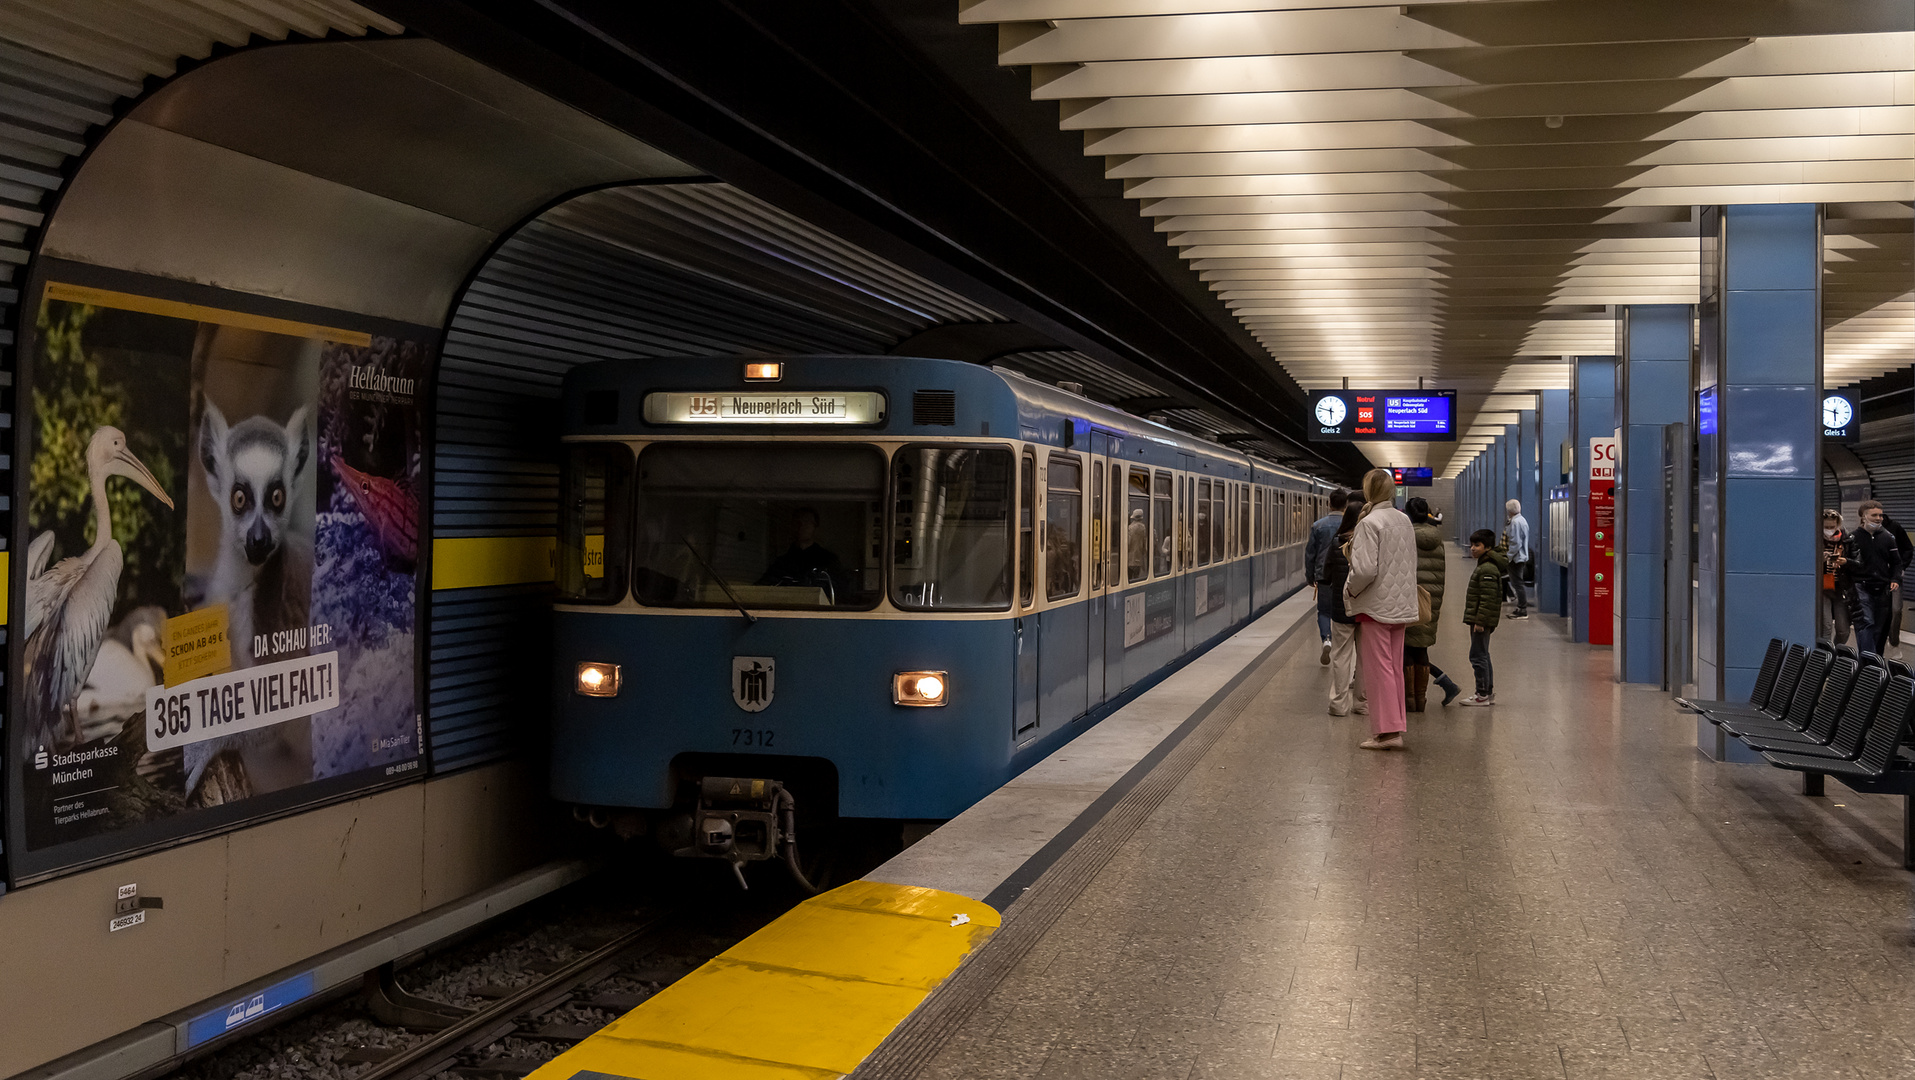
(24, 867)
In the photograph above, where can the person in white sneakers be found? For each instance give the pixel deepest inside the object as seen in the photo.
(1315, 551)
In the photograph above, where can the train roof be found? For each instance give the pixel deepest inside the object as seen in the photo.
(924, 397)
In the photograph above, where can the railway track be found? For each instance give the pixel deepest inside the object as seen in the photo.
(523, 1013)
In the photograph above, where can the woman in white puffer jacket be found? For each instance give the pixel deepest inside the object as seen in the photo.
(1381, 594)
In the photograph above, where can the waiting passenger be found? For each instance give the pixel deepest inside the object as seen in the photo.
(1344, 697)
(1482, 609)
(1832, 615)
(1516, 537)
(1872, 568)
(1381, 596)
(1893, 642)
(1322, 538)
(805, 560)
(1432, 565)
(1137, 544)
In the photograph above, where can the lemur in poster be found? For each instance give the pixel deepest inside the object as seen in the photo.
(264, 571)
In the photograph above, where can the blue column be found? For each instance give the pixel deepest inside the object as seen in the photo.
(1761, 370)
(1652, 382)
(1592, 415)
(1552, 421)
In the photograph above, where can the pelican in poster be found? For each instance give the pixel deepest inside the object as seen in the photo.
(70, 603)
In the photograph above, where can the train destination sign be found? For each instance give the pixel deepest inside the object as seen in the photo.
(766, 407)
(1383, 415)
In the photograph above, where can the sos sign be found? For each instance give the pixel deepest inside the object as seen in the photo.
(1602, 459)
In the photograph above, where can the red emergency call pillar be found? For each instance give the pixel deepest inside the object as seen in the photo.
(1601, 567)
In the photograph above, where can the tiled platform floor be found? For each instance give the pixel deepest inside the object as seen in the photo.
(1558, 886)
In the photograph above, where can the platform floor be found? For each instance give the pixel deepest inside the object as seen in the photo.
(1558, 886)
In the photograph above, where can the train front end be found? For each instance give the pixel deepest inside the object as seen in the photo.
(785, 595)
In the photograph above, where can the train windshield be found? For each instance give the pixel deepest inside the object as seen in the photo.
(951, 528)
(792, 525)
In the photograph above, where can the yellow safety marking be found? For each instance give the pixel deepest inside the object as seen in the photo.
(173, 309)
(806, 998)
(471, 562)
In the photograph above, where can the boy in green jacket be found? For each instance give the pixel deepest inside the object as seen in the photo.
(1482, 609)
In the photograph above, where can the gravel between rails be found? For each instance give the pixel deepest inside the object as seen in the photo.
(343, 1041)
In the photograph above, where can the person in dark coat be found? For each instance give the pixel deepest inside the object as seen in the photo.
(1344, 696)
(1482, 610)
(1872, 568)
(1315, 550)
(1432, 560)
(1907, 546)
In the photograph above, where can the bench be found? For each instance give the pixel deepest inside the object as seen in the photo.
(1825, 710)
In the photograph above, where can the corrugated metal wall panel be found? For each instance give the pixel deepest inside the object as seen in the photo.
(654, 270)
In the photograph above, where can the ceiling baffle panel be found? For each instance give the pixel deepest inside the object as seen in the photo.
(1466, 191)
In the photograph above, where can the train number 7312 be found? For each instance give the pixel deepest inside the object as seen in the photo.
(744, 736)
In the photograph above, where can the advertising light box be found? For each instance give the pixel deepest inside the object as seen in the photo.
(1383, 415)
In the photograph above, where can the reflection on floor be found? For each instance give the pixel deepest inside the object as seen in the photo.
(1558, 886)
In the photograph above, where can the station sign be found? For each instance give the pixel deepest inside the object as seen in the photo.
(765, 407)
(1413, 476)
(1840, 418)
(1382, 415)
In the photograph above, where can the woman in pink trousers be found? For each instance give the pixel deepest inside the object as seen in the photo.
(1381, 594)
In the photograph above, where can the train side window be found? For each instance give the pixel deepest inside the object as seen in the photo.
(1203, 523)
(1218, 510)
(1137, 526)
(1163, 535)
(1115, 555)
(1026, 526)
(1063, 527)
(1243, 518)
(1096, 548)
(1256, 523)
(950, 528)
(595, 521)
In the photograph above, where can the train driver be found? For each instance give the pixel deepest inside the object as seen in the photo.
(805, 558)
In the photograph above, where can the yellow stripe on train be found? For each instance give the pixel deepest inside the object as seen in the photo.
(806, 998)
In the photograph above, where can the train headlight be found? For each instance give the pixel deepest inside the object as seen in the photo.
(923, 689)
(596, 680)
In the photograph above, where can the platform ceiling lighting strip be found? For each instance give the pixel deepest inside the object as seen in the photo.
(1451, 189)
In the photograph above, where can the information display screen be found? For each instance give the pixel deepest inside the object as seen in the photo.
(765, 407)
(1383, 415)
(1413, 476)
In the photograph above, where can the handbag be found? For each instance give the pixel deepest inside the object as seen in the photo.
(1425, 609)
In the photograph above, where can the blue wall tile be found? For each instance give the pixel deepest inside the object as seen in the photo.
(1770, 529)
(1771, 247)
(1770, 336)
(1770, 431)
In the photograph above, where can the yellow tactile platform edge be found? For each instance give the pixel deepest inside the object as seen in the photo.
(809, 996)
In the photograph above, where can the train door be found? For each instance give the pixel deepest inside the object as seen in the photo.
(1025, 636)
(1103, 519)
(1063, 636)
(1129, 540)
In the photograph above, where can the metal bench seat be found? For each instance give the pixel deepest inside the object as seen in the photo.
(1860, 708)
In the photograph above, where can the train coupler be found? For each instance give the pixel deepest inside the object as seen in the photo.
(739, 820)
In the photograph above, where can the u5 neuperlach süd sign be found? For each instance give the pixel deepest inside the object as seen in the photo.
(762, 407)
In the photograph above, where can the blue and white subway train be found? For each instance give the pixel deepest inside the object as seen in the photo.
(874, 587)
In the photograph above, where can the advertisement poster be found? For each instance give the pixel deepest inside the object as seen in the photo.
(219, 610)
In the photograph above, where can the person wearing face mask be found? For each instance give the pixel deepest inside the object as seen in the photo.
(1873, 569)
(1894, 640)
(1832, 614)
